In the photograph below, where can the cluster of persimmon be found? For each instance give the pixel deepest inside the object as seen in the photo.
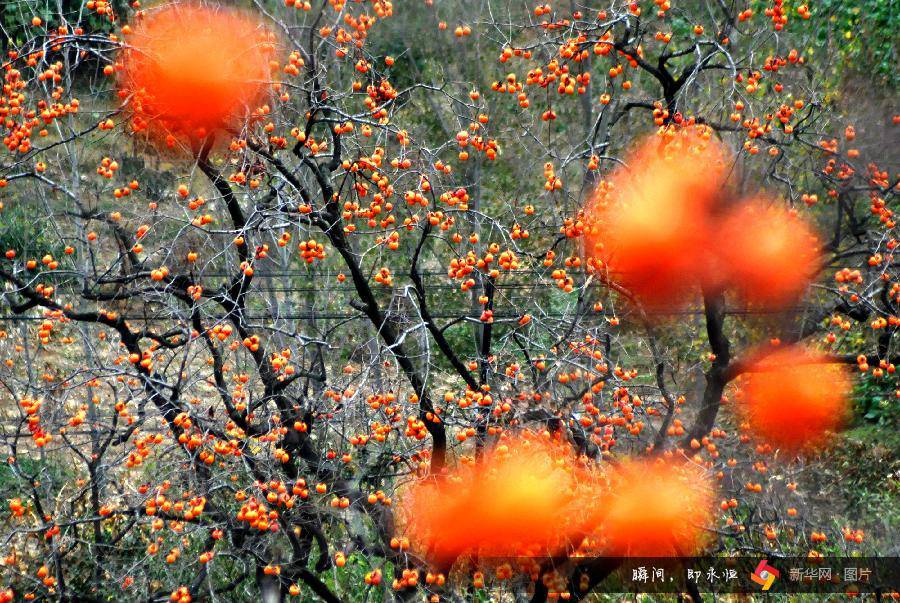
(551, 181)
(557, 70)
(531, 496)
(143, 449)
(281, 361)
(461, 268)
(779, 16)
(182, 594)
(44, 574)
(378, 97)
(16, 507)
(563, 280)
(670, 224)
(32, 408)
(489, 147)
(311, 251)
(257, 515)
(573, 49)
(19, 121)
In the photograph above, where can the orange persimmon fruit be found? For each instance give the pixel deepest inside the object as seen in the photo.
(190, 69)
(794, 398)
(766, 253)
(647, 228)
(656, 509)
(529, 495)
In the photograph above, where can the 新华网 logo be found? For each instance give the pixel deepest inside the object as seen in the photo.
(764, 574)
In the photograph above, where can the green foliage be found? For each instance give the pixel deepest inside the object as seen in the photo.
(874, 400)
(860, 36)
(8, 478)
(869, 476)
(350, 579)
(22, 230)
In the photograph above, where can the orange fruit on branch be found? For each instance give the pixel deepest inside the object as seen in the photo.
(529, 496)
(793, 398)
(189, 69)
(647, 229)
(768, 254)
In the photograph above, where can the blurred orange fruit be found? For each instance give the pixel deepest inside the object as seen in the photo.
(656, 509)
(647, 228)
(529, 496)
(190, 69)
(769, 255)
(794, 397)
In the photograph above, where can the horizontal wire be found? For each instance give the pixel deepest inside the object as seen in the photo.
(440, 315)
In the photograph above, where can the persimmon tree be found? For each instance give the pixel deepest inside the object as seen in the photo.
(272, 275)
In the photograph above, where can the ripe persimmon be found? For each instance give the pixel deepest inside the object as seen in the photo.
(190, 69)
(768, 254)
(647, 228)
(655, 509)
(530, 496)
(793, 398)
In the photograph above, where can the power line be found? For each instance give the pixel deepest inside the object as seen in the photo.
(437, 315)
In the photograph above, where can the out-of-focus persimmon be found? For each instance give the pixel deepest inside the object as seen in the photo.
(647, 227)
(656, 509)
(766, 253)
(190, 69)
(793, 398)
(529, 496)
